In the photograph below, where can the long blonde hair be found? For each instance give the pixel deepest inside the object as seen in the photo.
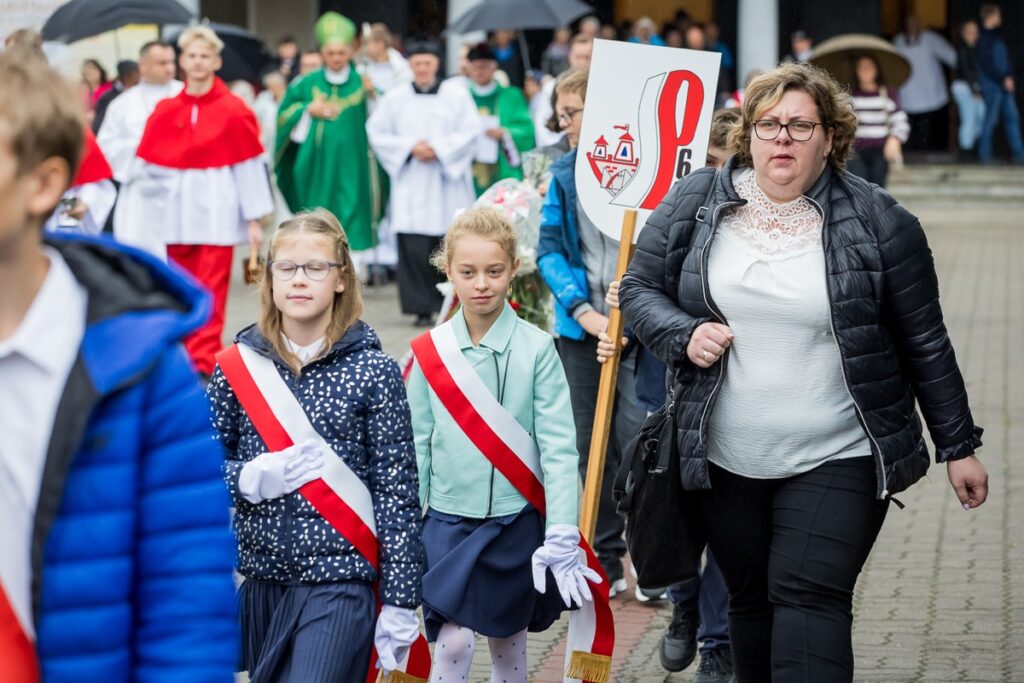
(348, 305)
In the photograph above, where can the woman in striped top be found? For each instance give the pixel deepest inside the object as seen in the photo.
(882, 125)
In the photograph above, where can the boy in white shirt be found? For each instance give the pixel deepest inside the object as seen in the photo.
(115, 556)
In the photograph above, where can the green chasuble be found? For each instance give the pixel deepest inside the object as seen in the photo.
(332, 168)
(509, 104)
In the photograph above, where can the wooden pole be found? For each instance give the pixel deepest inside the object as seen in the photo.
(606, 393)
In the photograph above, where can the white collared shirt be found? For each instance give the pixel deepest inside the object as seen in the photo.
(34, 366)
(305, 354)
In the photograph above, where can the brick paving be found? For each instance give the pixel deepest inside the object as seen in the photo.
(942, 595)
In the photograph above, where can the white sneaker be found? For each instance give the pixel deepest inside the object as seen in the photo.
(648, 595)
(618, 586)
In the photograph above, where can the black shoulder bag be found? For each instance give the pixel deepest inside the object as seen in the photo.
(664, 538)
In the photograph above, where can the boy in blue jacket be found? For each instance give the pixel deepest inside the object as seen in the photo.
(115, 551)
(577, 261)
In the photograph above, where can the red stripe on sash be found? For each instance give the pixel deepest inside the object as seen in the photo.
(17, 653)
(321, 496)
(324, 500)
(474, 426)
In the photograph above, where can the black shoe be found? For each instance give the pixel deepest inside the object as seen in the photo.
(715, 666)
(424, 320)
(679, 642)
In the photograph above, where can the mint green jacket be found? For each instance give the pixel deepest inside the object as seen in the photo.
(519, 365)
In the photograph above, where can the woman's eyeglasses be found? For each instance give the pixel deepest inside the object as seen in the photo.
(566, 117)
(314, 270)
(800, 131)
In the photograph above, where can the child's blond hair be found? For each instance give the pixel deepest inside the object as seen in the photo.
(348, 305)
(39, 114)
(200, 33)
(485, 223)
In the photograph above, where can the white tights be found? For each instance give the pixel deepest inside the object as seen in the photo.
(453, 655)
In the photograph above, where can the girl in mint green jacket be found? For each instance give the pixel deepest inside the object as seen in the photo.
(494, 565)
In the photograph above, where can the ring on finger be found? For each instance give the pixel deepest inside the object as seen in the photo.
(704, 355)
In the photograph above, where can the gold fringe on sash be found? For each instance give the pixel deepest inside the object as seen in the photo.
(586, 666)
(399, 677)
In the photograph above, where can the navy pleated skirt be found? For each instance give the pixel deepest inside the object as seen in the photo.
(311, 633)
(479, 574)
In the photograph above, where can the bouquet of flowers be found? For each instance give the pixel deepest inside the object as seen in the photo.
(520, 203)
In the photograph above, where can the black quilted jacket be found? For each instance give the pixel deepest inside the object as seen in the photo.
(885, 313)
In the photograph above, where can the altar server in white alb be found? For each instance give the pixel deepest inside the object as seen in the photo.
(199, 184)
(424, 135)
(127, 115)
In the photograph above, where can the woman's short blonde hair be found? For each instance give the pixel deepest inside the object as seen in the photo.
(834, 107)
(200, 33)
(573, 82)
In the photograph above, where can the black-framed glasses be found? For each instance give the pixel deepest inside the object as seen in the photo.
(566, 117)
(314, 270)
(800, 131)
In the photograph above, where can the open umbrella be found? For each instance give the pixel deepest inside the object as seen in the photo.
(492, 15)
(838, 56)
(80, 19)
(245, 56)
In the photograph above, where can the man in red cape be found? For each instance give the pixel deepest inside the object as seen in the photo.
(199, 184)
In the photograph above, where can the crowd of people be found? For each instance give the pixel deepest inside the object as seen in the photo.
(457, 493)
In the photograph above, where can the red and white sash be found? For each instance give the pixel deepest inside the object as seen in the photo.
(514, 453)
(340, 496)
(18, 661)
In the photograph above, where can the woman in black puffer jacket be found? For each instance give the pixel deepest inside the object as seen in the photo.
(797, 308)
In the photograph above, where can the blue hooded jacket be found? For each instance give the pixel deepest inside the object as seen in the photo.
(131, 549)
(559, 258)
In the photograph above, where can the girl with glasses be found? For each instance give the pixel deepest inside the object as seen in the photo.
(307, 603)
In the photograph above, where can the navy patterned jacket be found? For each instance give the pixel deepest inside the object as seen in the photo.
(355, 399)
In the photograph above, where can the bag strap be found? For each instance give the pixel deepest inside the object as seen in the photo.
(704, 210)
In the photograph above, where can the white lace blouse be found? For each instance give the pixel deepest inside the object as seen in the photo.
(783, 407)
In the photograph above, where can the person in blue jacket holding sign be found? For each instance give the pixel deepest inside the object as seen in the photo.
(577, 261)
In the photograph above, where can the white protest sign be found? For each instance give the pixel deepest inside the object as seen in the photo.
(646, 123)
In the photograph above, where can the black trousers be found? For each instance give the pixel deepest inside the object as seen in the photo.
(870, 164)
(929, 131)
(791, 550)
(417, 279)
(579, 358)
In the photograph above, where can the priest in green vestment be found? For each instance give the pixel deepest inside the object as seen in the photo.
(513, 134)
(322, 156)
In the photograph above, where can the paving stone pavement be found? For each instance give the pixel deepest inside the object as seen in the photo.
(942, 595)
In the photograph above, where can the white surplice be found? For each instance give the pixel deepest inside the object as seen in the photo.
(161, 206)
(99, 198)
(125, 121)
(425, 195)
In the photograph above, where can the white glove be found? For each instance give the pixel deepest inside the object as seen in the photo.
(561, 554)
(397, 629)
(272, 475)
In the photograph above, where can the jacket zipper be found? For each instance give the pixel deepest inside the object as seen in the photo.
(842, 366)
(715, 311)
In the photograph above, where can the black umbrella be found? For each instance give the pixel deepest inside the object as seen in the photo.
(80, 19)
(492, 15)
(245, 56)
